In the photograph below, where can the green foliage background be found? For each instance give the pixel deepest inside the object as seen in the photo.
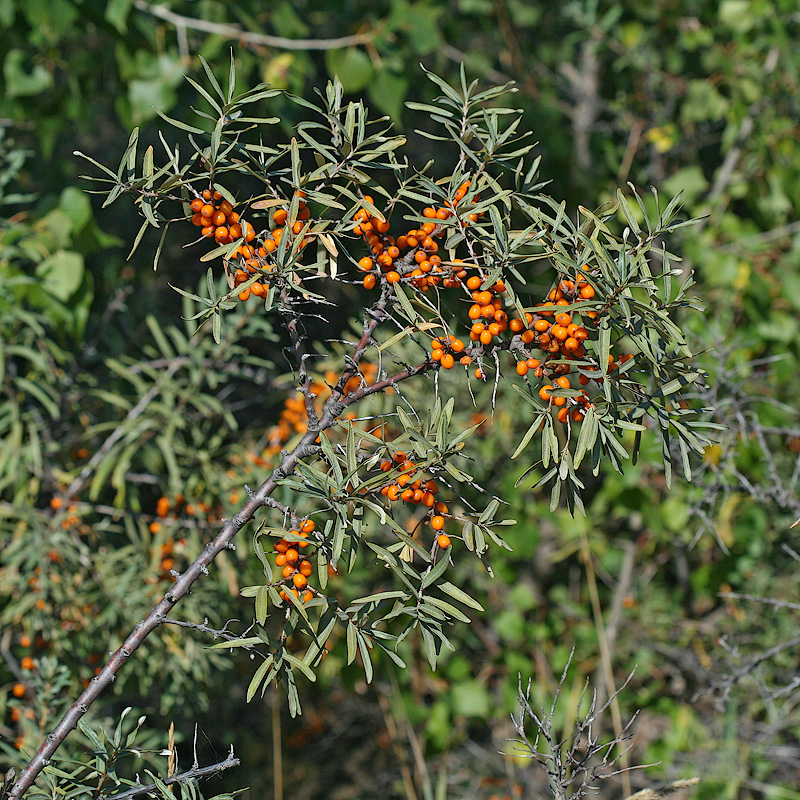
(693, 96)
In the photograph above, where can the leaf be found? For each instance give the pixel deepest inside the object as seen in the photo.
(422, 326)
(400, 294)
(259, 677)
(352, 66)
(448, 608)
(435, 573)
(460, 595)
(63, 273)
(19, 82)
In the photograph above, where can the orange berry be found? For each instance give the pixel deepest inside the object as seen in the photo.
(369, 281)
(56, 503)
(448, 361)
(288, 571)
(393, 277)
(522, 368)
(18, 690)
(300, 581)
(437, 522)
(27, 663)
(305, 568)
(443, 540)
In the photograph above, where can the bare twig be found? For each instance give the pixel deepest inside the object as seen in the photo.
(194, 773)
(575, 763)
(234, 32)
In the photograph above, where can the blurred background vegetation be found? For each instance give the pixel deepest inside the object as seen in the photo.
(693, 96)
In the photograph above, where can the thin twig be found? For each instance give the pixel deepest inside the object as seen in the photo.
(184, 777)
(235, 32)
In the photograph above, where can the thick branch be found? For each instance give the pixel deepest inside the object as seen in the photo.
(307, 446)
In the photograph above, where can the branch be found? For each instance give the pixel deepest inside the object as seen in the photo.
(224, 540)
(234, 32)
(183, 777)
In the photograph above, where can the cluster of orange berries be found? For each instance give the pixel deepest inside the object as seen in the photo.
(255, 259)
(180, 506)
(217, 218)
(219, 221)
(550, 328)
(166, 554)
(293, 418)
(427, 270)
(409, 488)
(295, 569)
(72, 518)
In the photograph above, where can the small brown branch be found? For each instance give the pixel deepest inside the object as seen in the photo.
(235, 32)
(184, 777)
(727, 684)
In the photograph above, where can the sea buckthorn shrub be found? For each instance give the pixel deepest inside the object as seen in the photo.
(447, 264)
(465, 278)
